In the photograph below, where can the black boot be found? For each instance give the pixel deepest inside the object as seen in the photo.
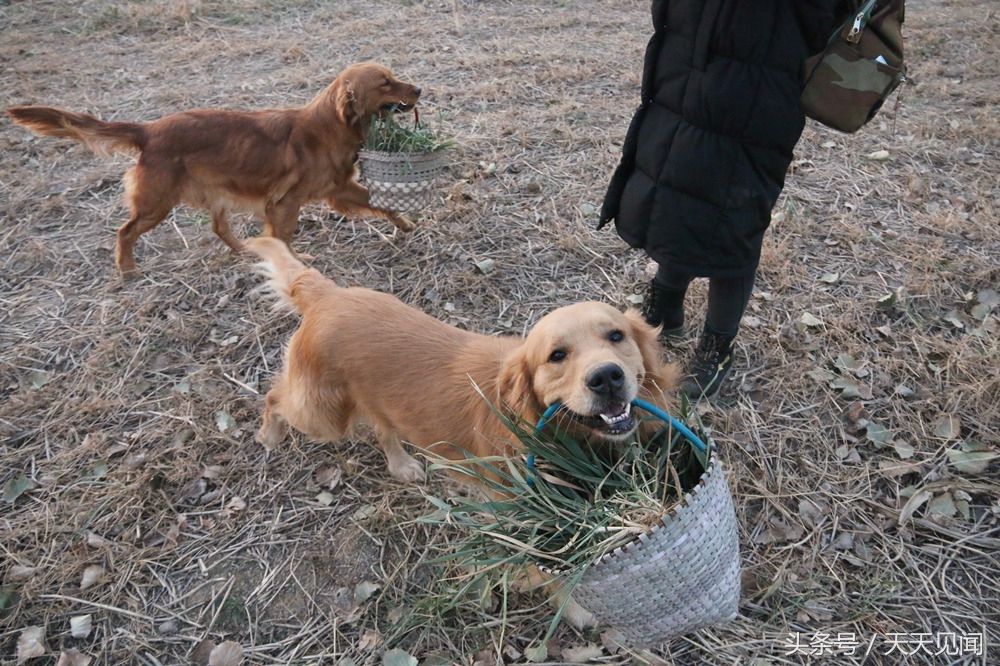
(664, 307)
(713, 360)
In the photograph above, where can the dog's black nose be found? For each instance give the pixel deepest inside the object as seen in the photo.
(416, 91)
(606, 379)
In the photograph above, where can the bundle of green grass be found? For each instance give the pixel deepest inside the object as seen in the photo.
(566, 503)
(387, 135)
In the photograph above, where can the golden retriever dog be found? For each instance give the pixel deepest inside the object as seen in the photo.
(270, 163)
(362, 356)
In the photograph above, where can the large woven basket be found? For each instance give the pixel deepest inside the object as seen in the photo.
(682, 575)
(400, 181)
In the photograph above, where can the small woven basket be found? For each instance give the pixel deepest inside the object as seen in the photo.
(400, 181)
(682, 575)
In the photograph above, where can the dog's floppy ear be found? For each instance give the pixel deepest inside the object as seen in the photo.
(515, 394)
(658, 377)
(346, 102)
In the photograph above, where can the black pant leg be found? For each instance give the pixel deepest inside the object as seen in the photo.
(673, 285)
(727, 300)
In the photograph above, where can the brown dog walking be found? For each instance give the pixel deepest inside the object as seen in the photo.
(269, 163)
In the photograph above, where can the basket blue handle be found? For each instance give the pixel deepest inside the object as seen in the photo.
(642, 404)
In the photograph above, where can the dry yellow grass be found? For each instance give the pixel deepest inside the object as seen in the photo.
(112, 396)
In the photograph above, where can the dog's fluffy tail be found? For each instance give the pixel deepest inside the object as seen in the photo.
(296, 285)
(101, 137)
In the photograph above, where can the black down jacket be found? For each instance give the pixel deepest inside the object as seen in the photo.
(705, 155)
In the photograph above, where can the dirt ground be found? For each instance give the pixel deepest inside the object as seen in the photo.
(861, 429)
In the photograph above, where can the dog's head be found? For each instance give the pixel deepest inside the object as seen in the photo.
(368, 88)
(592, 359)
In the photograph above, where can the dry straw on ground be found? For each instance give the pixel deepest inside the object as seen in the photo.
(858, 437)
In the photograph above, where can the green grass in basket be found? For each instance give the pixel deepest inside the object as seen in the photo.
(583, 502)
(390, 136)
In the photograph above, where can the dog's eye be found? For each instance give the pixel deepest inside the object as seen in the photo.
(616, 336)
(557, 356)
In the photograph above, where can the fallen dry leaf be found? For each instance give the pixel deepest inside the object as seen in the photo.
(329, 477)
(224, 421)
(229, 653)
(971, 462)
(988, 297)
(92, 575)
(79, 626)
(582, 653)
(211, 471)
(811, 512)
(369, 639)
(878, 434)
(613, 641)
(364, 590)
(18, 573)
(942, 506)
(954, 319)
(17, 487)
(398, 657)
(73, 658)
(810, 319)
(95, 541)
(202, 652)
(948, 426)
(903, 449)
(31, 643)
(916, 500)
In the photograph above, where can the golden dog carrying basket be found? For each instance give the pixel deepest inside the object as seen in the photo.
(400, 181)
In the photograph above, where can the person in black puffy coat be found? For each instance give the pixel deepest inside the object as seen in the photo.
(705, 156)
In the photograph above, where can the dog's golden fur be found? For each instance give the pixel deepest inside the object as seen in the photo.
(363, 356)
(270, 163)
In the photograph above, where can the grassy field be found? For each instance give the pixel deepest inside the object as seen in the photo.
(861, 428)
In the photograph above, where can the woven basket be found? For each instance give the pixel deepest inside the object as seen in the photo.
(682, 575)
(400, 181)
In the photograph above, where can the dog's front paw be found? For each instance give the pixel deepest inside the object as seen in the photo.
(407, 470)
(270, 434)
(404, 223)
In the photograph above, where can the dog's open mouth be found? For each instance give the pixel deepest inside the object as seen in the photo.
(397, 107)
(614, 421)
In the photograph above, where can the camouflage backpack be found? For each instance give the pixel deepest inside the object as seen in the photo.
(846, 84)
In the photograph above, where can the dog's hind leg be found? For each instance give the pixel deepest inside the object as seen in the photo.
(220, 225)
(273, 426)
(280, 219)
(151, 196)
(152, 192)
(402, 465)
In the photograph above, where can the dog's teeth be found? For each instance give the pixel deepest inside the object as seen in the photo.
(614, 420)
(628, 408)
